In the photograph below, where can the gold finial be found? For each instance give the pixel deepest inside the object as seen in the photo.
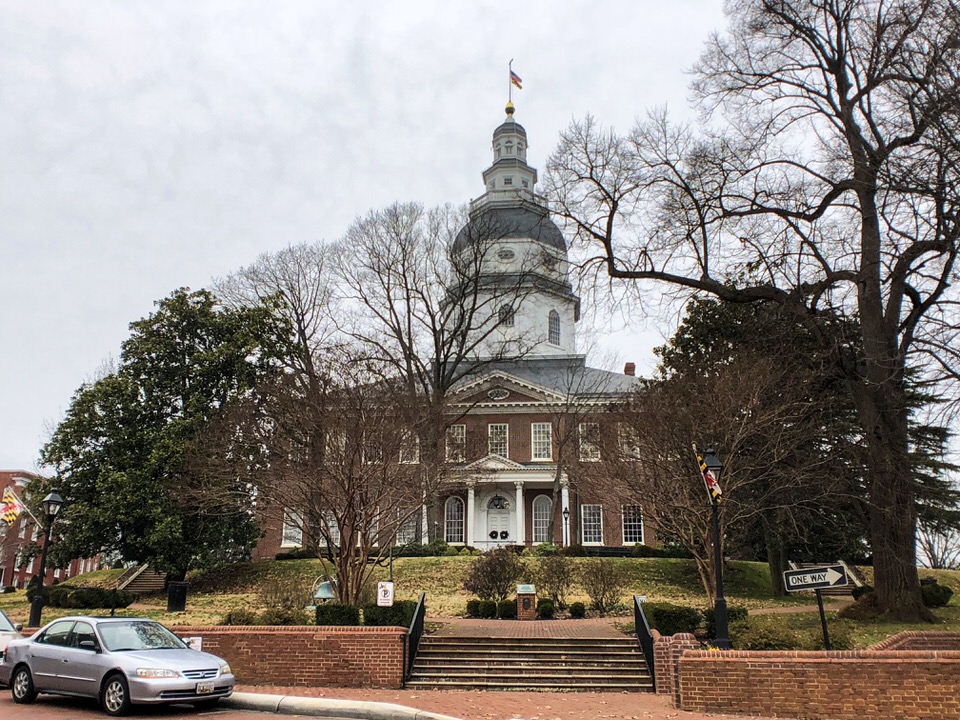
(510, 109)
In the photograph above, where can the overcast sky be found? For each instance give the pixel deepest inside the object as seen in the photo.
(146, 146)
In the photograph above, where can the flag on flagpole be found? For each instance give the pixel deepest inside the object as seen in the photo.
(515, 79)
(10, 507)
(713, 487)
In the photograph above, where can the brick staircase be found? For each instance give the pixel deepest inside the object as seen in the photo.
(499, 663)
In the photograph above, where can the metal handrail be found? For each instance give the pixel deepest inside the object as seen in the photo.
(644, 638)
(414, 634)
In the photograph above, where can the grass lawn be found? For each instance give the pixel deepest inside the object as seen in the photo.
(242, 586)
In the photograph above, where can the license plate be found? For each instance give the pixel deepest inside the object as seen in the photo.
(203, 688)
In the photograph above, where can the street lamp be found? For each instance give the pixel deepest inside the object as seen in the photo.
(51, 506)
(712, 467)
(566, 526)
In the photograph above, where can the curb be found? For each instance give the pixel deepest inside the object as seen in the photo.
(324, 707)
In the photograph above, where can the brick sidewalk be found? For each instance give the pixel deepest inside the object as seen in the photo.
(488, 705)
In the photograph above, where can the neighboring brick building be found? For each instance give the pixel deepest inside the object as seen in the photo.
(16, 539)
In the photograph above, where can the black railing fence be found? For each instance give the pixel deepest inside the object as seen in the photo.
(415, 633)
(644, 637)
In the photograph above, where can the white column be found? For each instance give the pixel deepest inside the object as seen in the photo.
(471, 512)
(424, 528)
(521, 522)
(564, 507)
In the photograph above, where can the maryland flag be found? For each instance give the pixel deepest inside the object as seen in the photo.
(713, 487)
(10, 507)
(515, 79)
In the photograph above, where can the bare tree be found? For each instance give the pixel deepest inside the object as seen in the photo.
(832, 188)
(426, 298)
(758, 411)
(939, 545)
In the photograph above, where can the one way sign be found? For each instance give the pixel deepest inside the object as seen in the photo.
(815, 578)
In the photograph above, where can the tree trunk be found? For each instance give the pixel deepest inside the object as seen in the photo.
(776, 559)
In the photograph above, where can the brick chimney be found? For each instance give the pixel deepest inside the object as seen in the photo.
(630, 369)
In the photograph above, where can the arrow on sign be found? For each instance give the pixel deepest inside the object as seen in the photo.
(815, 578)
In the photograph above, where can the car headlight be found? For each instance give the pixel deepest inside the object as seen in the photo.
(157, 673)
(225, 669)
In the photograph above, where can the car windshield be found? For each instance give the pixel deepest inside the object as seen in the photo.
(138, 635)
(5, 624)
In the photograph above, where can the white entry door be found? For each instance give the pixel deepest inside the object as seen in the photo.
(498, 521)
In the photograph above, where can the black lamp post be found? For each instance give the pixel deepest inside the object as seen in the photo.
(566, 526)
(715, 467)
(51, 506)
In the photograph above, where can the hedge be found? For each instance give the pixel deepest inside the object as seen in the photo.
(337, 614)
(401, 614)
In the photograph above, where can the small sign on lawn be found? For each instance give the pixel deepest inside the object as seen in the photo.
(385, 594)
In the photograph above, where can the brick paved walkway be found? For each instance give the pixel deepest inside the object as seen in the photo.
(584, 628)
(487, 705)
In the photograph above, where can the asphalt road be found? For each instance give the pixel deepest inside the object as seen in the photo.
(51, 707)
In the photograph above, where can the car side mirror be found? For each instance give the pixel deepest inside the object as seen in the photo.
(88, 645)
(18, 627)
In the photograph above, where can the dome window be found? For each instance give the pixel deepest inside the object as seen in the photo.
(505, 314)
(553, 336)
(508, 181)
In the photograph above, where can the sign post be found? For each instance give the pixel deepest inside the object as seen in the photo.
(817, 579)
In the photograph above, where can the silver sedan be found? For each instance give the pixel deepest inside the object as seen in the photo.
(117, 660)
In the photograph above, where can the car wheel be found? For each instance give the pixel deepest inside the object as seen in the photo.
(206, 704)
(21, 685)
(115, 695)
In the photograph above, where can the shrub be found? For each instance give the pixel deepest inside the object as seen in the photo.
(735, 614)
(282, 616)
(507, 609)
(67, 596)
(545, 608)
(766, 636)
(451, 552)
(605, 582)
(488, 608)
(296, 554)
(860, 591)
(671, 619)
(574, 551)
(473, 608)
(337, 614)
(578, 610)
(401, 614)
(242, 616)
(935, 595)
(545, 550)
(866, 608)
(554, 578)
(494, 575)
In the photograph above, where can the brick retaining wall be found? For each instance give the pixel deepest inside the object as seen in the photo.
(920, 640)
(843, 685)
(308, 656)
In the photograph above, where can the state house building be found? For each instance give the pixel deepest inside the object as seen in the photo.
(511, 410)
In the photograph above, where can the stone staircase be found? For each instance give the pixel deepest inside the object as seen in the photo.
(141, 579)
(485, 663)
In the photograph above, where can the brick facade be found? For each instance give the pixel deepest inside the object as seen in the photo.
(308, 656)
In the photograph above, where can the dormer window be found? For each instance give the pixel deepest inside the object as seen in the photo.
(508, 181)
(505, 315)
(525, 183)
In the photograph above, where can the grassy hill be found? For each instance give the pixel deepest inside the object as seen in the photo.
(248, 585)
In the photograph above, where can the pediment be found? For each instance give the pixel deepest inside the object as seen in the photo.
(503, 388)
(494, 462)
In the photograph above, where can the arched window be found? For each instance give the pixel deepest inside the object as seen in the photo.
(554, 328)
(453, 520)
(506, 315)
(542, 507)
